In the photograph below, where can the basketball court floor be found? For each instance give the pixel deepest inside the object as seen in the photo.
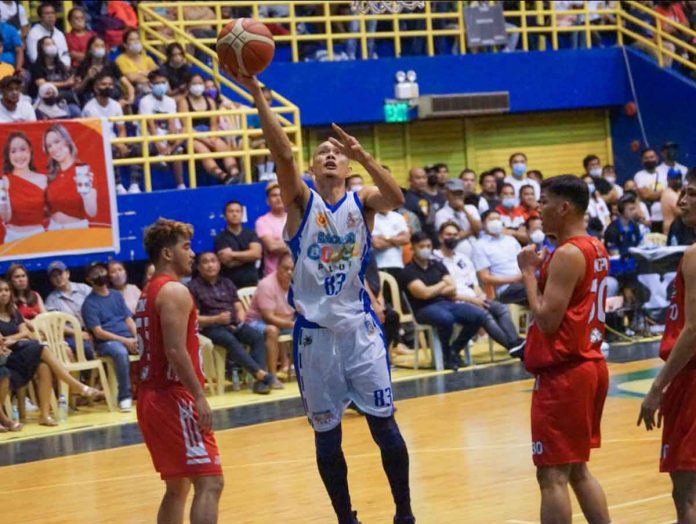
(470, 460)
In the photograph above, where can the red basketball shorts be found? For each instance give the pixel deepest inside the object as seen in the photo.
(567, 406)
(168, 422)
(679, 424)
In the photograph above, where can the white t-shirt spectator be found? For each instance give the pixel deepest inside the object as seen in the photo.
(462, 270)
(24, 112)
(9, 9)
(151, 105)
(679, 167)
(93, 109)
(37, 32)
(389, 225)
(519, 183)
(656, 181)
(597, 208)
(447, 214)
(498, 255)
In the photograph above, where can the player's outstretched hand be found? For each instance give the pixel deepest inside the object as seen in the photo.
(651, 405)
(249, 82)
(529, 259)
(205, 414)
(348, 145)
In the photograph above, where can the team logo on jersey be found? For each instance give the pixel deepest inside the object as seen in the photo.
(307, 341)
(322, 221)
(596, 336)
(370, 326)
(351, 221)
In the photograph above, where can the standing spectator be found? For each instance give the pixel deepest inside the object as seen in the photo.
(468, 176)
(239, 249)
(79, 36)
(176, 69)
(518, 168)
(489, 189)
(68, 297)
(643, 214)
(420, 202)
(528, 203)
(104, 106)
(118, 278)
(650, 182)
(46, 27)
(49, 105)
(495, 260)
(12, 48)
(96, 61)
(609, 174)
(621, 235)
(270, 313)
(389, 235)
(269, 229)
(48, 68)
(669, 160)
(593, 169)
(221, 315)
(355, 182)
(432, 293)
(535, 174)
(110, 321)
(466, 216)
(13, 108)
(13, 13)
(670, 196)
(135, 64)
(28, 302)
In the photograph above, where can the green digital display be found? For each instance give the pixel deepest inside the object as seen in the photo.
(396, 112)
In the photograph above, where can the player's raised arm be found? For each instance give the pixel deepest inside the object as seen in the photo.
(387, 195)
(174, 304)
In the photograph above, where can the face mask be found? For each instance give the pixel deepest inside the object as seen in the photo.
(425, 253)
(519, 169)
(211, 93)
(119, 280)
(611, 179)
(197, 89)
(650, 165)
(596, 172)
(107, 91)
(509, 203)
(50, 100)
(100, 280)
(495, 227)
(99, 52)
(51, 50)
(591, 189)
(137, 47)
(450, 243)
(160, 89)
(357, 188)
(537, 236)
(432, 179)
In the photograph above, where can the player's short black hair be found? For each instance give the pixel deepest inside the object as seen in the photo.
(626, 199)
(569, 187)
(230, 202)
(589, 158)
(419, 236)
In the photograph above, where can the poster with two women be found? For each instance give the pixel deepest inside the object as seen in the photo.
(57, 193)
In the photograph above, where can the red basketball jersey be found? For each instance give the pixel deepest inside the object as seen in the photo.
(155, 371)
(675, 319)
(581, 333)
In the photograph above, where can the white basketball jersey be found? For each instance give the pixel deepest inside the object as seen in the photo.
(330, 250)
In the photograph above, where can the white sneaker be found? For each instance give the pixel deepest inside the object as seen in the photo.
(181, 186)
(134, 188)
(120, 190)
(125, 405)
(29, 405)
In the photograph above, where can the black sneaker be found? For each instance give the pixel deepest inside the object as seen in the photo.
(405, 520)
(261, 387)
(517, 351)
(355, 518)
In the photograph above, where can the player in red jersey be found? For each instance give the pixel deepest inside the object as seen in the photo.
(563, 351)
(173, 413)
(673, 392)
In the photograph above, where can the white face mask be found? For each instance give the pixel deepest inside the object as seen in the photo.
(596, 172)
(537, 236)
(137, 47)
(197, 89)
(99, 52)
(425, 253)
(51, 50)
(494, 227)
(611, 179)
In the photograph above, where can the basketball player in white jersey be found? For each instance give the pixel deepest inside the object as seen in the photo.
(340, 355)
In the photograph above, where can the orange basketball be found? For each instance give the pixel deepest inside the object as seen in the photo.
(246, 46)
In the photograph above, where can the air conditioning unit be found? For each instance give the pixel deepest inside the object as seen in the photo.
(434, 106)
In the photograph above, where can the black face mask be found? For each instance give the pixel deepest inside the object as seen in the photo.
(450, 243)
(50, 100)
(432, 179)
(107, 91)
(650, 165)
(100, 280)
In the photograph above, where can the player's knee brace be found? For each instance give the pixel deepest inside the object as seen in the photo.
(328, 443)
(385, 432)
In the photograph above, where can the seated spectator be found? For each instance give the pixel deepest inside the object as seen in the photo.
(176, 69)
(68, 297)
(535, 175)
(13, 13)
(609, 174)
(420, 201)
(489, 189)
(468, 177)
(29, 357)
(670, 196)
(12, 51)
(536, 235)
(238, 248)
(621, 235)
(221, 316)
(499, 174)
(263, 165)
(79, 36)
(643, 30)
(157, 102)
(432, 294)
(49, 106)
(46, 28)
(102, 105)
(6, 69)
(231, 121)
(96, 61)
(270, 313)
(511, 213)
(650, 182)
(27, 301)
(135, 64)
(495, 260)
(497, 323)
(199, 13)
(465, 215)
(6, 423)
(528, 203)
(593, 169)
(518, 168)
(111, 323)
(196, 101)
(118, 278)
(48, 68)
(643, 214)
(14, 108)
(269, 229)
(355, 182)
(597, 207)
(389, 234)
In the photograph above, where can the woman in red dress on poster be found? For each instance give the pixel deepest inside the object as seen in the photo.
(71, 196)
(22, 190)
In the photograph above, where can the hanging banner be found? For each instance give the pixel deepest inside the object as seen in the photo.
(57, 193)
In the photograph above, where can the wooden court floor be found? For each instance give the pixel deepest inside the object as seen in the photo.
(470, 463)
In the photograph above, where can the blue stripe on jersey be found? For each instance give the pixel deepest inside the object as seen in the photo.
(294, 242)
(367, 304)
(335, 207)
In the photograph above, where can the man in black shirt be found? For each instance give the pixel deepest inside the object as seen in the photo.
(422, 202)
(238, 249)
(680, 234)
(431, 293)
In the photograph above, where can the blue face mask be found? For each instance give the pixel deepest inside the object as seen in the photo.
(519, 169)
(591, 189)
(509, 203)
(160, 89)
